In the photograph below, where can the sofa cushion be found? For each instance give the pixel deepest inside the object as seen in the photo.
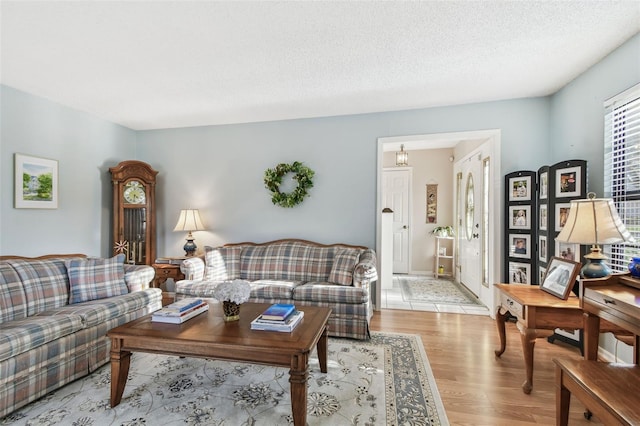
(344, 262)
(323, 292)
(98, 311)
(273, 289)
(288, 260)
(13, 301)
(45, 283)
(222, 263)
(22, 335)
(92, 279)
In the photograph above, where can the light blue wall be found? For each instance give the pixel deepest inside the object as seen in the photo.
(577, 111)
(219, 169)
(85, 147)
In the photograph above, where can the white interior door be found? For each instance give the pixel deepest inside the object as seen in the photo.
(396, 185)
(469, 210)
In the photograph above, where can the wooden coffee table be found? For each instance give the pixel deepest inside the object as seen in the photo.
(209, 336)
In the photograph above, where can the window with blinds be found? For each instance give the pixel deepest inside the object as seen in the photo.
(622, 170)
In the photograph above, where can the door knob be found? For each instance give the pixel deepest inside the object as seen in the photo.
(405, 227)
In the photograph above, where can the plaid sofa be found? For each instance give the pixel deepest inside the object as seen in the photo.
(55, 312)
(304, 273)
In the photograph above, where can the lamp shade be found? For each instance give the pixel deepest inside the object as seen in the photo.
(594, 221)
(189, 220)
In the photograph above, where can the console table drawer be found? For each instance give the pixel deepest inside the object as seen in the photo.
(511, 305)
(618, 301)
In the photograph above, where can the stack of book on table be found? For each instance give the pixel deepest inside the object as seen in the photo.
(278, 317)
(180, 311)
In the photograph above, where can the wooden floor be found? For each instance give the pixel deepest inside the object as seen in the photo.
(476, 387)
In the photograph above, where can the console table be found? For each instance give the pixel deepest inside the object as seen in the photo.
(538, 314)
(608, 390)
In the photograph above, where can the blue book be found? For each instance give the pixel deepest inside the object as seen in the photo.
(278, 312)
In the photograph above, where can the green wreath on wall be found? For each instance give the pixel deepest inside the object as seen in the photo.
(273, 180)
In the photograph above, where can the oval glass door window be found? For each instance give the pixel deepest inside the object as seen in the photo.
(469, 208)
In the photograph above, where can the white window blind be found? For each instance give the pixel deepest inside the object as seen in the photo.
(622, 170)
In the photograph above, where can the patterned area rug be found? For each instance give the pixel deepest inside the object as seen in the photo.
(384, 381)
(421, 288)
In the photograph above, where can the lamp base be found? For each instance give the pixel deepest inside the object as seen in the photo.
(595, 266)
(190, 247)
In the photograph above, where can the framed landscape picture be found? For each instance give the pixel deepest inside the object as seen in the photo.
(36, 182)
(560, 277)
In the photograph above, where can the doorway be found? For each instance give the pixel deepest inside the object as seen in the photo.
(462, 145)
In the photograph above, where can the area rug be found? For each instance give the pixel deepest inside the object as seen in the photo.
(424, 289)
(384, 381)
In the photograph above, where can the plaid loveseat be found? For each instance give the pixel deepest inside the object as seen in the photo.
(304, 273)
(55, 312)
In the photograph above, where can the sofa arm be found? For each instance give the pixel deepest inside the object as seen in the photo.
(138, 277)
(365, 271)
(193, 268)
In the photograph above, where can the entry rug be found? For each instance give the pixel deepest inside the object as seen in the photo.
(420, 288)
(384, 381)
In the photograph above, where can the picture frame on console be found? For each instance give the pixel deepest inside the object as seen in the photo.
(36, 182)
(560, 277)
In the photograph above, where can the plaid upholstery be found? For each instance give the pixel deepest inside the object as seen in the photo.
(289, 271)
(92, 279)
(331, 293)
(58, 343)
(45, 283)
(193, 268)
(344, 261)
(13, 301)
(138, 277)
(293, 261)
(222, 263)
(23, 335)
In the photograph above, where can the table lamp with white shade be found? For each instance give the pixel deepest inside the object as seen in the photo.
(594, 221)
(189, 221)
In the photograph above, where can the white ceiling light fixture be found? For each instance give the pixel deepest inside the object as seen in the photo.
(402, 157)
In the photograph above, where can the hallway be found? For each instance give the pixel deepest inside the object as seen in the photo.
(392, 299)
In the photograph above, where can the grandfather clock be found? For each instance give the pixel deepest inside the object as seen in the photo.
(134, 211)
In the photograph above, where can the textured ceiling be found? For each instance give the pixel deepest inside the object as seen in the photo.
(153, 64)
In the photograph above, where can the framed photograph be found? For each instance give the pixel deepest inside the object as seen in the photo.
(544, 185)
(568, 251)
(541, 271)
(520, 217)
(520, 245)
(560, 277)
(562, 213)
(36, 182)
(519, 273)
(544, 217)
(520, 188)
(432, 203)
(542, 248)
(568, 182)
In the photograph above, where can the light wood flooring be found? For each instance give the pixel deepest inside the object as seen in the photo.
(476, 387)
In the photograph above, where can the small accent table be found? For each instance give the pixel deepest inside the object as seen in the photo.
(164, 271)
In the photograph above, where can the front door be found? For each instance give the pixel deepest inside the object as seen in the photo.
(469, 214)
(395, 195)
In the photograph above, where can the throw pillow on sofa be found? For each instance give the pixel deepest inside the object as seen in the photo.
(344, 261)
(91, 279)
(222, 263)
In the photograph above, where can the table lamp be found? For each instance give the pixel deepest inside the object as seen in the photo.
(189, 220)
(594, 221)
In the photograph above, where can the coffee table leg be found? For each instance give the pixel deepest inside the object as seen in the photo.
(298, 375)
(322, 349)
(120, 361)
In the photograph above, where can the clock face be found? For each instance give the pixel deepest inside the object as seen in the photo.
(134, 193)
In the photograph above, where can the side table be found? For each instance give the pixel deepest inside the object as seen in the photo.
(164, 271)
